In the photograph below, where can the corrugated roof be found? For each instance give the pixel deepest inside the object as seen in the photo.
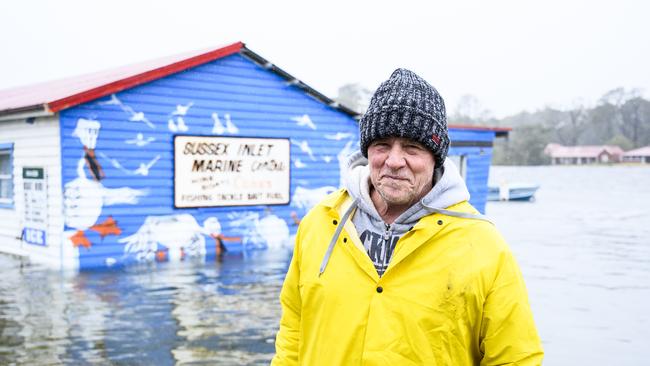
(57, 95)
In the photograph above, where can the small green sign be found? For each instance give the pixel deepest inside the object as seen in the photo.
(33, 173)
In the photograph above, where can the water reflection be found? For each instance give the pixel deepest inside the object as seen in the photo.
(214, 313)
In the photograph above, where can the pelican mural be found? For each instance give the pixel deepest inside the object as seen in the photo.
(83, 198)
(171, 237)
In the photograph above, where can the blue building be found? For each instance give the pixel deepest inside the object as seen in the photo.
(176, 158)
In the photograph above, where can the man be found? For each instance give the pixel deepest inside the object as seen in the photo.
(398, 268)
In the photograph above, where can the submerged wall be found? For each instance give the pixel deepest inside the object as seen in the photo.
(118, 164)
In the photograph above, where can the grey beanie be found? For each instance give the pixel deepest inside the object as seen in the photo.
(407, 106)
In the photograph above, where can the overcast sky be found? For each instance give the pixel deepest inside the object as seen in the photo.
(512, 55)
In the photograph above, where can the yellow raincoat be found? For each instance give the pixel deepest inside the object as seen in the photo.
(452, 295)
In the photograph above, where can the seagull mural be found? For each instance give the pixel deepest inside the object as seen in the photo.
(304, 120)
(133, 115)
(181, 110)
(178, 126)
(217, 127)
(140, 117)
(299, 164)
(140, 140)
(304, 147)
(230, 127)
(339, 136)
(143, 169)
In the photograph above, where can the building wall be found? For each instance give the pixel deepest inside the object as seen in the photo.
(118, 163)
(478, 160)
(35, 144)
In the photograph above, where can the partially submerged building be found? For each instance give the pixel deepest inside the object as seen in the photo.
(640, 155)
(577, 155)
(174, 158)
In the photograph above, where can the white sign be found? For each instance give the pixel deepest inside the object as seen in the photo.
(230, 171)
(35, 217)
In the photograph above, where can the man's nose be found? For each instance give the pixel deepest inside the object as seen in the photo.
(395, 158)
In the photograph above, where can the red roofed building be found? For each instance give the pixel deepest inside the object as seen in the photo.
(583, 154)
(640, 155)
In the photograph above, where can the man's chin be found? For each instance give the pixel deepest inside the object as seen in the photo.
(395, 200)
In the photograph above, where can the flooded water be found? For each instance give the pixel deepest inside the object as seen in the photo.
(583, 245)
(584, 249)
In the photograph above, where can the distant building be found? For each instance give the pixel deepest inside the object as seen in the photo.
(578, 155)
(640, 155)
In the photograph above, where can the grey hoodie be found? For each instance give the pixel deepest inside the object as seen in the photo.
(379, 238)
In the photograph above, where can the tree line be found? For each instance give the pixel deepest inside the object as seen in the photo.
(620, 117)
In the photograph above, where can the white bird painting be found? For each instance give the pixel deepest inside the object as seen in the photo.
(180, 235)
(230, 127)
(339, 136)
(138, 116)
(181, 110)
(304, 120)
(217, 127)
(171, 126)
(143, 169)
(133, 115)
(180, 123)
(112, 101)
(140, 140)
(299, 164)
(304, 147)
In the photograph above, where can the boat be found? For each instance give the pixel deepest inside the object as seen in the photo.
(512, 192)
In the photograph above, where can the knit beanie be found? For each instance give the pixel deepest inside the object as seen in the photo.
(407, 106)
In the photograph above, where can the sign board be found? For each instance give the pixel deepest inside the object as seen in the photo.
(35, 218)
(214, 171)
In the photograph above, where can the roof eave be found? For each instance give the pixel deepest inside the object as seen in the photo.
(38, 110)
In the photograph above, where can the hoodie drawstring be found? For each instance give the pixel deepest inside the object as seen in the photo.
(339, 228)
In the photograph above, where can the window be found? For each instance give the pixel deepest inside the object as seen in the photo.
(6, 177)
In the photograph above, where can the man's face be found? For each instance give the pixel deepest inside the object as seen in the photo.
(401, 170)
